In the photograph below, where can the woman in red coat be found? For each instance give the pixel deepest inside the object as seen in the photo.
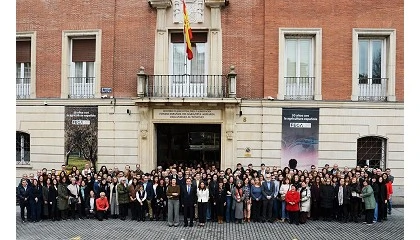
(292, 204)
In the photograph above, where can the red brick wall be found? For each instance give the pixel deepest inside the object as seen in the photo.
(128, 33)
(337, 19)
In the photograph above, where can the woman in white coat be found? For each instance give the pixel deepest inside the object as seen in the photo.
(305, 202)
(202, 199)
(113, 198)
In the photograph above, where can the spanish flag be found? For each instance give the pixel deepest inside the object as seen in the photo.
(187, 32)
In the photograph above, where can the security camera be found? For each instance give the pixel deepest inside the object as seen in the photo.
(45, 103)
(270, 98)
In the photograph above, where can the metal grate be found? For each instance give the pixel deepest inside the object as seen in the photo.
(371, 151)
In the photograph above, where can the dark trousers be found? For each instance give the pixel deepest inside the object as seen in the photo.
(382, 211)
(327, 213)
(23, 205)
(256, 210)
(369, 215)
(141, 211)
(101, 215)
(202, 211)
(213, 211)
(315, 210)
(134, 210)
(36, 210)
(294, 217)
(267, 210)
(123, 207)
(188, 213)
(343, 212)
(303, 217)
(354, 210)
(74, 210)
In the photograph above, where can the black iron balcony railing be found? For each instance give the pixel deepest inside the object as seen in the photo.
(192, 86)
(299, 88)
(23, 88)
(81, 87)
(373, 89)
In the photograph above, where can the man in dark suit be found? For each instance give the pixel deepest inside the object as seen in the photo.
(267, 190)
(23, 192)
(262, 171)
(189, 200)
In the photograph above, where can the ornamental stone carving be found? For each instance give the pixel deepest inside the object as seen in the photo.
(195, 9)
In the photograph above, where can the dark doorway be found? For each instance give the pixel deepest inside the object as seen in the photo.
(189, 144)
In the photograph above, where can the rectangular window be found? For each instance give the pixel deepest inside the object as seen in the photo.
(300, 64)
(82, 68)
(188, 75)
(373, 64)
(23, 68)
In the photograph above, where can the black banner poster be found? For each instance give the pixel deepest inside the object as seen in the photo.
(81, 133)
(300, 136)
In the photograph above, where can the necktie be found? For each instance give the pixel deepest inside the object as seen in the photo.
(268, 185)
(188, 190)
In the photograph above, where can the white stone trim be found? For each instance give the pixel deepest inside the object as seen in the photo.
(65, 58)
(317, 37)
(390, 35)
(32, 36)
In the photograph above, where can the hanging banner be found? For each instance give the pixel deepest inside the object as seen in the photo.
(81, 134)
(300, 135)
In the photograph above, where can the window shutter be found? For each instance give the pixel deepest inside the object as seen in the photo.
(23, 51)
(83, 50)
(198, 37)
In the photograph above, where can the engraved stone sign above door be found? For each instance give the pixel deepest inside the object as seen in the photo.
(195, 9)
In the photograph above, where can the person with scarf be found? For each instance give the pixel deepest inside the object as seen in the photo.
(238, 201)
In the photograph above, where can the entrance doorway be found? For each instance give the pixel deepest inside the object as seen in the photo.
(189, 144)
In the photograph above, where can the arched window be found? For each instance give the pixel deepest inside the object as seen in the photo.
(23, 148)
(371, 151)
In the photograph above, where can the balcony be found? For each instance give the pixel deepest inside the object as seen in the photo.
(23, 88)
(81, 87)
(299, 88)
(373, 89)
(186, 86)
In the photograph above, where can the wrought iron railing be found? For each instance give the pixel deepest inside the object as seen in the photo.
(23, 88)
(190, 86)
(81, 87)
(299, 88)
(373, 89)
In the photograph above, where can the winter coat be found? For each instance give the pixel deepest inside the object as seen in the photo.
(346, 194)
(315, 193)
(122, 194)
(354, 189)
(63, 201)
(368, 197)
(305, 199)
(292, 196)
(327, 196)
(112, 193)
(382, 193)
(238, 203)
(389, 189)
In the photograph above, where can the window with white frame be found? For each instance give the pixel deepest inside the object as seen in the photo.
(300, 64)
(82, 68)
(188, 76)
(23, 68)
(23, 148)
(373, 65)
(81, 76)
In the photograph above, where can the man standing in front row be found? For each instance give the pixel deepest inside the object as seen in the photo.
(267, 191)
(189, 201)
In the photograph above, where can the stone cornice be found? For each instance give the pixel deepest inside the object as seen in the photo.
(160, 3)
(216, 3)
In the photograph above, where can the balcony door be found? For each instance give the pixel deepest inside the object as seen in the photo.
(188, 77)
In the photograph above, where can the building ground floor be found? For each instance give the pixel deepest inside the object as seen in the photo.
(223, 132)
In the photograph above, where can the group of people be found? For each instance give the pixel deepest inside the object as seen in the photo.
(205, 193)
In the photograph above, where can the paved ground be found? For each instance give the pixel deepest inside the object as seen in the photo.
(118, 229)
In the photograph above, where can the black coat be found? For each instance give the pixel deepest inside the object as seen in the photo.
(35, 193)
(22, 194)
(327, 195)
(382, 193)
(315, 193)
(375, 188)
(52, 194)
(346, 194)
(190, 199)
(220, 199)
(213, 190)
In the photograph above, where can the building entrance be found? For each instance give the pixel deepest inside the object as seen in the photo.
(189, 144)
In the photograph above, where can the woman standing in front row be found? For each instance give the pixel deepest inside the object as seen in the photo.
(369, 199)
(202, 199)
(173, 193)
(220, 201)
(247, 199)
(238, 201)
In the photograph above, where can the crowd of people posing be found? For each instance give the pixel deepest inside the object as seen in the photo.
(204, 194)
